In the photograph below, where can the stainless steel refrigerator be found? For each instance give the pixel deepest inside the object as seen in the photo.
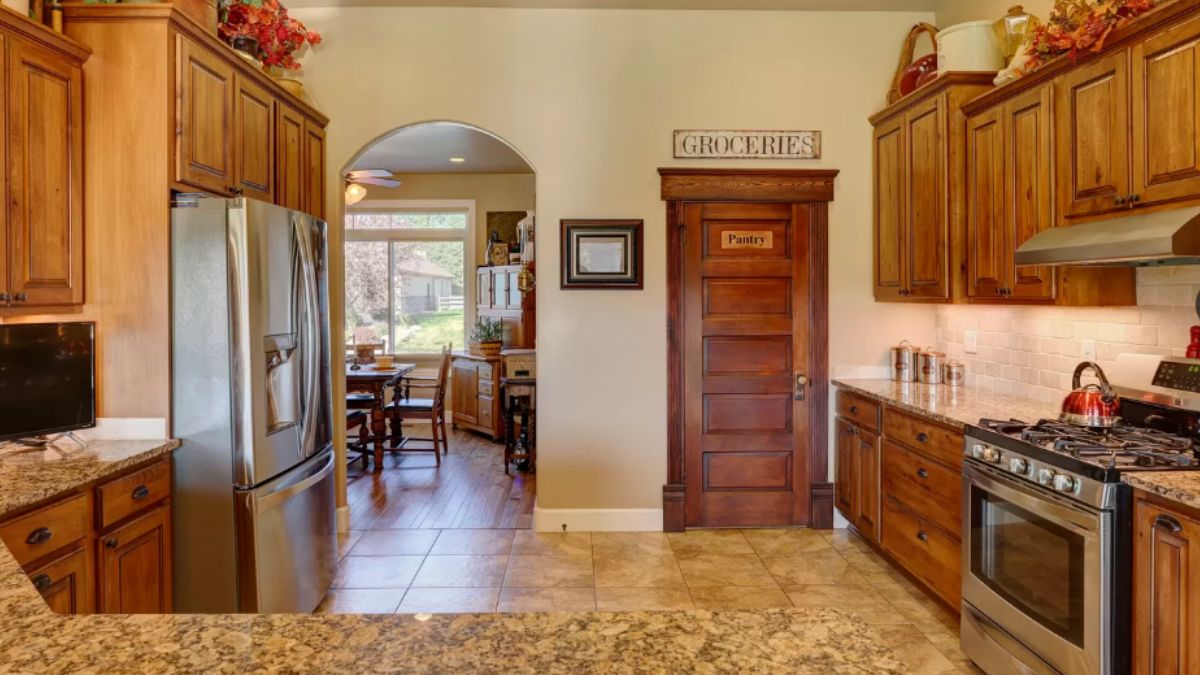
(254, 523)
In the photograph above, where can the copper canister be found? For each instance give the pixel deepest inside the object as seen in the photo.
(955, 374)
(904, 362)
(929, 370)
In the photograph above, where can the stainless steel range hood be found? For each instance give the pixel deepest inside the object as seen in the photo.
(1162, 238)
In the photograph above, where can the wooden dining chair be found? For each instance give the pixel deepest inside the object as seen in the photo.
(404, 407)
(361, 442)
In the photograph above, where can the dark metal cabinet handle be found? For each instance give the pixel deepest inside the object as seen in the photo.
(42, 582)
(140, 492)
(39, 536)
(922, 437)
(1120, 201)
(922, 473)
(1135, 198)
(4, 297)
(1165, 522)
(20, 297)
(922, 536)
(111, 543)
(853, 410)
(235, 190)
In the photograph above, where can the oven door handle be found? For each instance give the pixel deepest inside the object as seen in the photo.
(1077, 518)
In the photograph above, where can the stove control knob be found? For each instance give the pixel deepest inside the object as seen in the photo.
(1045, 476)
(991, 455)
(977, 451)
(1018, 465)
(1064, 483)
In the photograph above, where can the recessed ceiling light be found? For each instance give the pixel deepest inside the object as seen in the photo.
(457, 160)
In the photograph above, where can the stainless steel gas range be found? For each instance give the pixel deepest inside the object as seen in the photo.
(1046, 525)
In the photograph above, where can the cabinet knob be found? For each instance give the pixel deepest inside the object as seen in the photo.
(111, 543)
(853, 410)
(922, 473)
(42, 582)
(1135, 198)
(20, 297)
(140, 492)
(235, 190)
(922, 536)
(1121, 201)
(922, 437)
(4, 297)
(39, 536)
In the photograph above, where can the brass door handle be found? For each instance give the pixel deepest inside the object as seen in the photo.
(801, 383)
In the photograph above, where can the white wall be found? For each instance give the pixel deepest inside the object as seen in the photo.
(950, 12)
(591, 97)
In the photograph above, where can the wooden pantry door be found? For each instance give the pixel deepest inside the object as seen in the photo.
(750, 348)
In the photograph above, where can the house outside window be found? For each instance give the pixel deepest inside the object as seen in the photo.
(406, 274)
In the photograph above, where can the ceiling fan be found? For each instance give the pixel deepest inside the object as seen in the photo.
(355, 180)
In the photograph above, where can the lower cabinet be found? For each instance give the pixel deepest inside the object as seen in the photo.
(104, 548)
(475, 394)
(135, 565)
(1166, 581)
(856, 484)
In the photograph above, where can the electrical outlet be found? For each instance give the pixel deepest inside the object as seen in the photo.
(971, 342)
(1088, 349)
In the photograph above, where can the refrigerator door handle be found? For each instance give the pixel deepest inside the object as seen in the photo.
(269, 501)
(311, 335)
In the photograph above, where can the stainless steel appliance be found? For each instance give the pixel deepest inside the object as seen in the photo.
(254, 524)
(1046, 527)
(1138, 240)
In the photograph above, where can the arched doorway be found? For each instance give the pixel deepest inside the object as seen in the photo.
(423, 206)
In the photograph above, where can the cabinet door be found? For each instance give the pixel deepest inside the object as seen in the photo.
(204, 153)
(845, 480)
(135, 566)
(254, 140)
(514, 291)
(1029, 152)
(483, 288)
(1166, 632)
(987, 245)
(1093, 136)
(45, 163)
(1166, 115)
(867, 509)
(926, 240)
(465, 385)
(314, 170)
(289, 158)
(66, 583)
(889, 207)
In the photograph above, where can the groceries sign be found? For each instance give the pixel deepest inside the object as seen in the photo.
(730, 144)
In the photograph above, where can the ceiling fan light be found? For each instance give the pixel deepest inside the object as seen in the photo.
(458, 160)
(355, 193)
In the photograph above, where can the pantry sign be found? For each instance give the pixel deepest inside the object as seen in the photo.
(731, 144)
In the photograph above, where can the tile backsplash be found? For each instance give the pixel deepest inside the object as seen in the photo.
(1032, 351)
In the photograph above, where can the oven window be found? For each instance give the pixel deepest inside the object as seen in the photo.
(1033, 563)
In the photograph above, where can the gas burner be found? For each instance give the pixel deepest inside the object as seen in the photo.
(1125, 446)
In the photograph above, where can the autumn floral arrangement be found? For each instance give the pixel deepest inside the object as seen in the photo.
(279, 36)
(1079, 26)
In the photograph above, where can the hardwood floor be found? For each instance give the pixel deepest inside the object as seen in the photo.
(469, 491)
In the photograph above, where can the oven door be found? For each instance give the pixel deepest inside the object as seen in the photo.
(1033, 565)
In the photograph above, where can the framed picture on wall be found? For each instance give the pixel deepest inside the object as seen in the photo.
(599, 254)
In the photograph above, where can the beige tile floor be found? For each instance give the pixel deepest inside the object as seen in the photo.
(412, 571)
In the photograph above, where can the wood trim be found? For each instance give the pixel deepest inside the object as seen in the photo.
(169, 13)
(806, 188)
(759, 185)
(938, 86)
(1121, 38)
(43, 35)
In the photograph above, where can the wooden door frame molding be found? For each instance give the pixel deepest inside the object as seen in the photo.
(808, 187)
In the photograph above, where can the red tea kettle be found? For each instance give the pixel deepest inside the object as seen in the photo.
(1092, 405)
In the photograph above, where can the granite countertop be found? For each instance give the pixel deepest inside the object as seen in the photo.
(955, 406)
(35, 640)
(31, 475)
(1179, 486)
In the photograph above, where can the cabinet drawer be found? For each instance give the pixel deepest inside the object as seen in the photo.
(927, 437)
(485, 388)
(485, 371)
(485, 411)
(46, 530)
(125, 496)
(925, 551)
(862, 411)
(926, 487)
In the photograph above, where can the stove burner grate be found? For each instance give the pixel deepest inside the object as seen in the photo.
(1124, 446)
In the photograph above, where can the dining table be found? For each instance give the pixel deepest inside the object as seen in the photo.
(375, 381)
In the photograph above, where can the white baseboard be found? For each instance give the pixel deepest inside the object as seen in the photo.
(839, 521)
(126, 429)
(597, 520)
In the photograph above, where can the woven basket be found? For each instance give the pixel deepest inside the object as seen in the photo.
(906, 55)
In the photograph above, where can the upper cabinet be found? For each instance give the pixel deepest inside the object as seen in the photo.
(917, 194)
(41, 143)
(204, 156)
(1093, 137)
(254, 140)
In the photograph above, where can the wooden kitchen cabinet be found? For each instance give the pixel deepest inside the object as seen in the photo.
(845, 481)
(498, 298)
(204, 157)
(1166, 587)
(920, 189)
(254, 140)
(314, 169)
(289, 158)
(475, 388)
(135, 565)
(66, 583)
(41, 147)
(857, 479)
(1093, 136)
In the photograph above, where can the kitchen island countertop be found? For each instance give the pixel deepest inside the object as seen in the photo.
(955, 406)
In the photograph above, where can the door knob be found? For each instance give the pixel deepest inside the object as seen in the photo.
(801, 383)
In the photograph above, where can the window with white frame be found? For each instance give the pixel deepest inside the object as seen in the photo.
(406, 267)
